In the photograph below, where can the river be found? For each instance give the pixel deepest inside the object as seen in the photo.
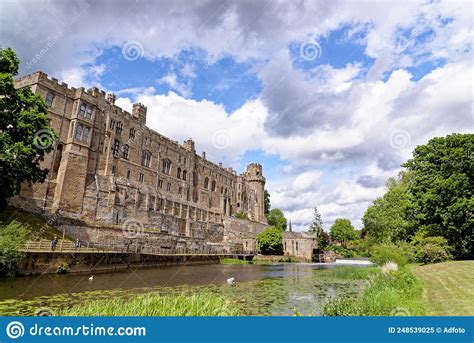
(276, 289)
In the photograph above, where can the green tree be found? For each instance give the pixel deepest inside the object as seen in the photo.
(12, 236)
(266, 202)
(387, 219)
(442, 188)
(270, 241)
(316, 227)
(24, 133)
(343, 231)
(277, 219)
(317, 223)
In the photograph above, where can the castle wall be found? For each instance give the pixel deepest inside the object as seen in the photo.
(108, 167)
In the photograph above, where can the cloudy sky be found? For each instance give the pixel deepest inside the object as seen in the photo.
(330, 96)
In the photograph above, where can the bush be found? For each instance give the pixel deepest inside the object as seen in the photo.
(384, 253)
(270, 241)
(63, 268)
(431, 249)
(12, 236)
(342, 306)
(241, 215)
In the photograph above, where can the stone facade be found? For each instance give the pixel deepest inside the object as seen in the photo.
(300, 245)
(109, 168)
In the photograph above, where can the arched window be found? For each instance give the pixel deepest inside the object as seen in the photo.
(146, 158)
(85, 135)
(213, 186)
(206, 182)
(78, 131)
(179, 173)
(185, 174)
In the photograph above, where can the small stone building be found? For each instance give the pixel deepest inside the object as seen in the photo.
(300, 245)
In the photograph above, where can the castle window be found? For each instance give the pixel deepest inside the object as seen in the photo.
(180, 190)
(296, 245)
(146, 158)
(112, 124)
(166, 166)
(195, 196)
(85, 135)
(160, 184)
(113, 170)
(206, 182)
(82, 109)
(168, 187)
(89, 112)
(213, 186)
(125, 149)
(78, 135)
(179, 158)
(128, 174)
(179, 173)
(131, 135)
(222, 190)
(184, 160)
(119, 127)
(115, 147)
(147, 141)
(225, 191)
(50, 99)
(185, 174)
(141, 177)
(195, 178)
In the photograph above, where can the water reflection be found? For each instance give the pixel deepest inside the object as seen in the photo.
(261, 289)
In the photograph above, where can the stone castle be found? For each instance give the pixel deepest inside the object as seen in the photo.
(108, 171)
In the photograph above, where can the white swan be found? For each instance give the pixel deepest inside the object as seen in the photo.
(231, 281)
(91, 278)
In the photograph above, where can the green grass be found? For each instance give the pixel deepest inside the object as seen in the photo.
(36, 224)
(152, 304)
(448, 288)
(392, 294)
(233, 261)
(348, 273)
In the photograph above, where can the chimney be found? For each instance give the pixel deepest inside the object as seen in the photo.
(204, 155)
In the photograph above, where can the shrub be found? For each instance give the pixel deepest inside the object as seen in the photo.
(385, 253)
(12, 236)
(63, 268)
(270, 241)
(241, 215)
(431, 249)
(342, 306)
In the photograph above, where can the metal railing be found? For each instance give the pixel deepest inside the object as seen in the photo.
(68, 246)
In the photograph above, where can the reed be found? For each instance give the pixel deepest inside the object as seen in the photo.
(152, 304)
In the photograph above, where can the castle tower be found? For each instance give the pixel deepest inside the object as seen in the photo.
(139, 111)
(256, 183)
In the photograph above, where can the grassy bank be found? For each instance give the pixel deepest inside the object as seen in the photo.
(232, 261)
(387, 294)
(152, 304)
(448, 288)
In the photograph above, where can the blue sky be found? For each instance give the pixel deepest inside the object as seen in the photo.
(330, 98)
